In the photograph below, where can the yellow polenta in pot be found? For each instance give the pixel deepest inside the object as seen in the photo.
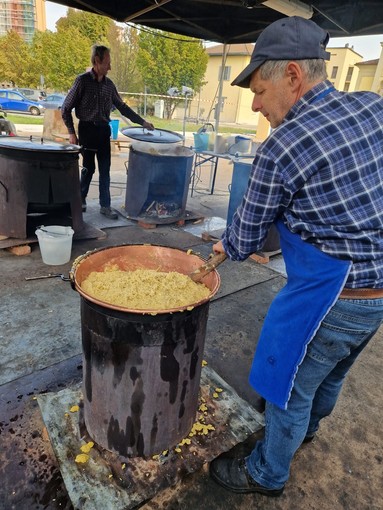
(144, 288)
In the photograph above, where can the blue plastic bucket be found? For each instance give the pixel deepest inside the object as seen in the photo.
(114, 125)
(239, 182)
(201, 141)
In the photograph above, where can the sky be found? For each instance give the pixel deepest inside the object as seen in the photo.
(53, 13)
(367, 45)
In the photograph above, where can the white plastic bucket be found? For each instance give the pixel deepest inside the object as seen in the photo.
(55, 244)
(242, 144)
(220, 144)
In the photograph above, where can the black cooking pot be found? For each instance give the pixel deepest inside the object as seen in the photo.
(34, 148)
(37, 176)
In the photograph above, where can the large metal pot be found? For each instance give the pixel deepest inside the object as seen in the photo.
(140, 256)
(157, 184)
(38, 176)
(141, 368)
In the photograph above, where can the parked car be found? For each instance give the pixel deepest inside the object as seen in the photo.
(54, 101)
(14, 101)
(33, 94)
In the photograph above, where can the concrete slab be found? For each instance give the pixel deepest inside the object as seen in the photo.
(93, 216)
(277, 264)
(46, 332)
(210, 224)
(113, 483)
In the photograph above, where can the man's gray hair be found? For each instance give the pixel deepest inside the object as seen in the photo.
(98, 51)
(314, 69)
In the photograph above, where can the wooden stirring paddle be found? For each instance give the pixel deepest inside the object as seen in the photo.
(206, 268)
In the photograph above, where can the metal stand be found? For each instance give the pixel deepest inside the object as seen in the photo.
(201, 159)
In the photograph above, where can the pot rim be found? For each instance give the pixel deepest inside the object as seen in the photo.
(213, 279)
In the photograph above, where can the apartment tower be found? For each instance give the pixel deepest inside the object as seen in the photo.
(22, 16)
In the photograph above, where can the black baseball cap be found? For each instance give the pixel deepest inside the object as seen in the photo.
(290, 38)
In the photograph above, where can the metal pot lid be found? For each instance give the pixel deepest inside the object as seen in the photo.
(37, 144)
(155, 136)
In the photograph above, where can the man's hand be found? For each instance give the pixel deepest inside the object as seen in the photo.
(148, 125)
(218, 247)
(73, 139)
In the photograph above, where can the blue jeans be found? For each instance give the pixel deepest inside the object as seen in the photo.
(343, 334)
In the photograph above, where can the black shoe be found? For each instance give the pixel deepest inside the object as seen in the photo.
(308, 439)
(107, 211)
(83, 205)
(233, 475)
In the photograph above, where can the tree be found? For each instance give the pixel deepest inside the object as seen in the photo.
(167, 61)
(17, 63)
(58, 66)
(66, 53)
(123, 43)
(92, 26)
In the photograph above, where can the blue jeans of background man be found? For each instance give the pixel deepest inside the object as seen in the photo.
(95, 142)
(343, 334)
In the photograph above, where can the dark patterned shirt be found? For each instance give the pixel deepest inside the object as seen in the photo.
(93, 101)
(321, 171)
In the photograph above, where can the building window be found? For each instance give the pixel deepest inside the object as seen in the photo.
(334, 72)
(226, 73)
(346, 87)
(349, 73)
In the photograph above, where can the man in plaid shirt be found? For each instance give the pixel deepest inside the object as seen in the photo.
(319, 178)
(93, 95)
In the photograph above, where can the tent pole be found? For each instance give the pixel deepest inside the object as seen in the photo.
(219, 100)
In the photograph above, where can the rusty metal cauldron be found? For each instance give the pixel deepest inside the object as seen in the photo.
(141, 368)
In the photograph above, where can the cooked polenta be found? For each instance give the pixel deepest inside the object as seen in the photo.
(144, 289)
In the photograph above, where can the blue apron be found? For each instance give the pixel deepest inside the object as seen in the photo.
(314, 282)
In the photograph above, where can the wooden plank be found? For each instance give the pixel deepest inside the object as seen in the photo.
(24, 249)
(261, 258)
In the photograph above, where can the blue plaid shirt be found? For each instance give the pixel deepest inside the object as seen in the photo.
(321, 171)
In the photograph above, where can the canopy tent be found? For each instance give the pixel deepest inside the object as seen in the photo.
(237, 21)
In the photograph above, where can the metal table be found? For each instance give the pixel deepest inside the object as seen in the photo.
(212, 158)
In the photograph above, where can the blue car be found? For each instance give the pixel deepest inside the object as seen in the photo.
(13, 101)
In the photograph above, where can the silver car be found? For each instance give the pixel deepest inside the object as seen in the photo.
(33, 94)
(54, 101)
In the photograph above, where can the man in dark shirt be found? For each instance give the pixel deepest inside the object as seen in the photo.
(93, 96)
